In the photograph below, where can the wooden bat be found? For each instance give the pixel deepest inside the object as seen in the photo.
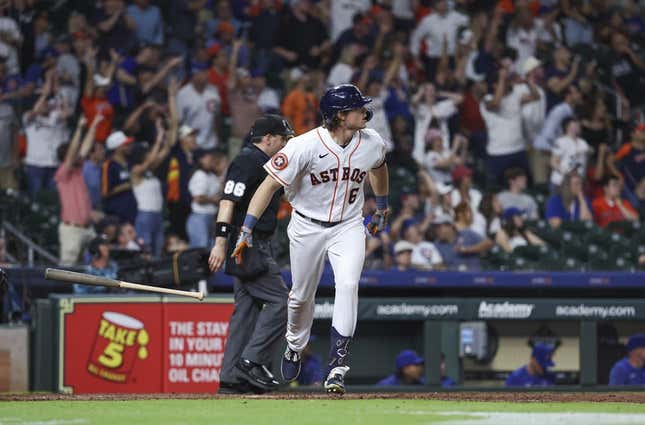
(88, 279)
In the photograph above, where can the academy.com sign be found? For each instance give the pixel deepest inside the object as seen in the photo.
(404, 309)
(505, 310)
(603, 312)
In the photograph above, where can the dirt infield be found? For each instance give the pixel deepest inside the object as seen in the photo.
(506, 397)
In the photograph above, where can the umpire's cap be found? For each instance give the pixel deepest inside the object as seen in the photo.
(271, 124)
(344, 97)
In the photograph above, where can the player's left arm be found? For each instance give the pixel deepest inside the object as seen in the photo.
(381, 186)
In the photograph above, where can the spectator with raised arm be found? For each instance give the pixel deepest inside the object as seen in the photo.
(148, 193)
(75, 227)
(45, 127)
(430, 111)
(502, 112)
(147, 21)
(439, 27)
(198, 106)
(94, 101)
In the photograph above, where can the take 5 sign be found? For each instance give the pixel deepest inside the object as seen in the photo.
(135, 344)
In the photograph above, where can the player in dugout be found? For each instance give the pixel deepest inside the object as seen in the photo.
(631, 369)
(535, 373)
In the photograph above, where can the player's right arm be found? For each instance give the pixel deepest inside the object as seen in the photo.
(259, 203)
(282, 170)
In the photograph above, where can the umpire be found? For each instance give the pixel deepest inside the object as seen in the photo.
(260, 315)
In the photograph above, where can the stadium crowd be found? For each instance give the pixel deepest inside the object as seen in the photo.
(505, 120)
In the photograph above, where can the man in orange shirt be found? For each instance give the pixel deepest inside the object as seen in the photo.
(94, 101)
(631, 162)
(301, 104)
(611, 207)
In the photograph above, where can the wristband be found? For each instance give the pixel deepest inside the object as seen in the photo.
(222, 229)
(381, 202)
(250, 221)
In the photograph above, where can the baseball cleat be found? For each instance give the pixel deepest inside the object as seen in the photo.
(257, 375)
(335, 382)
(290, 366)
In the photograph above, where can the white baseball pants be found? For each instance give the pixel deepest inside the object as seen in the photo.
(309, 244)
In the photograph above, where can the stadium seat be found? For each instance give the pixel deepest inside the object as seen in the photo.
(496, 259)
(530, 252)
(625, 228)
(612, 264)
(578, 227)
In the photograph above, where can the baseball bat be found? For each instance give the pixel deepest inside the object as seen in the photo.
(88, 279)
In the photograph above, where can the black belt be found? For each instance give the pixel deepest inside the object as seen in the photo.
(318, 222)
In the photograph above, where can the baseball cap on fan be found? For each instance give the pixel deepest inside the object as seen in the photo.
(186, 130)
(118, 139)
(271, 124)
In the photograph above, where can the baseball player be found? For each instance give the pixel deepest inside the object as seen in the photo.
(260, 313)
(323, 172)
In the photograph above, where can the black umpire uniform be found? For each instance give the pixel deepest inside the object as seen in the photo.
(260, 315)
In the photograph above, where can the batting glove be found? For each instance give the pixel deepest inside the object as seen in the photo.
(378, 221)
(245, 240)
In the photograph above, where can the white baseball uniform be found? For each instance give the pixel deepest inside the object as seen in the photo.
(324, 181)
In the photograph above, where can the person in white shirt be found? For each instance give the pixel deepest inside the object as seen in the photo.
(343, 71)
(425, 256)
(438, 28)
(342, 13)
(570, 153)
(502, 113)
(205, 188)
(46, 129)
(522, 35)
(439, 161)
(377, 90)
(198, 104)
(11, 40)
(534, 112)
(427, 108)
(515, 195)
(543, 143)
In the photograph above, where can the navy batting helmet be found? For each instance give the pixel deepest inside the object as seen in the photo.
(344, 97)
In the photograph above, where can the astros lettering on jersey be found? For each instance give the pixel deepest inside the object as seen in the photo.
(324, 180)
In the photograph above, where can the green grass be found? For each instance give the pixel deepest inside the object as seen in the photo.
(287, 412)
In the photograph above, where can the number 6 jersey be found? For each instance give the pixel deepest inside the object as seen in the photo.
(323, 180)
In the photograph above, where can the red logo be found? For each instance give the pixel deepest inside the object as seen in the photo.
(280, 161)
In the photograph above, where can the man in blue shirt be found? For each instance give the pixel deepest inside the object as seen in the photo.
(460, 250)
(100, 265)
(148, 20)
(631, 369)
(409, 371)
(535, 373)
